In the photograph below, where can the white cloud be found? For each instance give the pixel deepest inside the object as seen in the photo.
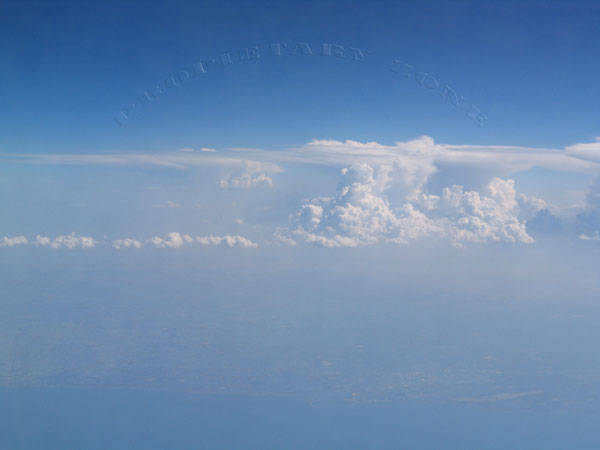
(529, 205)
(361, 214)
(284, 240)
(70, 241)
(176, 160)
(417, 157)
(390, 193)
(472, 217)
(11, 242)
(177, 240)
(230, 241)
(203, 149)
(171, 240)
(126, 243)
(588, 151)
(594, 237)
(421, 157)
(246, 181)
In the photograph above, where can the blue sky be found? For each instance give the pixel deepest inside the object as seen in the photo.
(353, 172)
(74, 71)
(71, 67)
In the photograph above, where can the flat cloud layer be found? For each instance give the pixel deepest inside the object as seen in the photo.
(417, 157)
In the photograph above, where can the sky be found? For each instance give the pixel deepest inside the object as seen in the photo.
(285, 171)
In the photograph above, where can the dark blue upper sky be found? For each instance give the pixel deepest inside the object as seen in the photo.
(69, 68)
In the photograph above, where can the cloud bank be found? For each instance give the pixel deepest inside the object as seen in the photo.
(70, 241)
(398, 193)
(361, 214)
(176, 240)
(171, 240)
(11, 242)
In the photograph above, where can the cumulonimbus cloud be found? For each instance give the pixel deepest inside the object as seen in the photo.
(390, 193)
(361, 214)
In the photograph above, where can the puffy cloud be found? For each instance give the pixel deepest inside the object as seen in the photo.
(126, 243)
(171, 240)
(530, 206)
(284, 240)
(230, 241)
(246, 181)
(11, 242)
(472, 217)
(585, 237)
(70, 241)
(396, 193)
(361, 214)
(176, 240)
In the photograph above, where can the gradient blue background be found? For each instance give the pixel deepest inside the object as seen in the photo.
(68, 67)
(509, 327)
